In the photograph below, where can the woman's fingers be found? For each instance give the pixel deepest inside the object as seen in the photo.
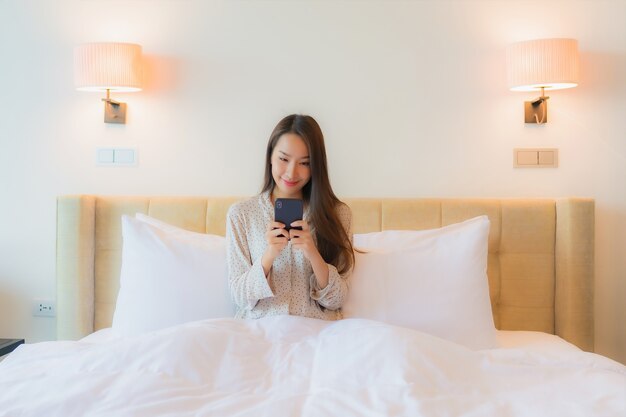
(300, 235)
(278, 239)
(299, 228)
(274, 234)
(275, 225)
(300, 223)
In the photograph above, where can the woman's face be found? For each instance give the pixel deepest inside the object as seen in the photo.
(290, 166)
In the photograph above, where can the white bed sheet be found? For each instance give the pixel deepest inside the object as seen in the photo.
(505, 339)
(284, 366)
(512, 339)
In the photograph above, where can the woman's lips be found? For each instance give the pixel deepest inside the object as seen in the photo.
(290, 183)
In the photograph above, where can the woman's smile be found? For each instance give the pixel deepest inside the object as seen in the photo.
(290, 183)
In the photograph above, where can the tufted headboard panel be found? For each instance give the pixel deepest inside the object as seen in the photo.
(540, 265)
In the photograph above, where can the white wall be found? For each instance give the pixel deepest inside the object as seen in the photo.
(411, 95)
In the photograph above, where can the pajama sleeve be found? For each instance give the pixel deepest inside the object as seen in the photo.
(246, 278)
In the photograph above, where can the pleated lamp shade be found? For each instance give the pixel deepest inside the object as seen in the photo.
(549, 63)
(107, 66)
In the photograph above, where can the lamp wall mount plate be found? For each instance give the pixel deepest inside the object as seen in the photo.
(536, 111)
(114, 112)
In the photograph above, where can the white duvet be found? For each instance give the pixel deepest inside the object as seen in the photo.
(293, 366)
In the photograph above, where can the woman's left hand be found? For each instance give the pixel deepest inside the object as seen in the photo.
(302, 239)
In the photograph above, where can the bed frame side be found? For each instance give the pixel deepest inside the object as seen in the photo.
(574, 268)
(75, 252)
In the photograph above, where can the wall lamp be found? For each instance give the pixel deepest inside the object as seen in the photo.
(539, 65)
(108, 67)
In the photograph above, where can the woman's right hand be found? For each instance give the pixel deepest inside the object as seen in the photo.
(276, 237)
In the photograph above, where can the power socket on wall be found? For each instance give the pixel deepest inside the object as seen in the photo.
(44, 308)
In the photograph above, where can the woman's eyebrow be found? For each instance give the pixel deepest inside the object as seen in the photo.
(286, 154)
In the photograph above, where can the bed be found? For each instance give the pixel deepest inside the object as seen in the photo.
(412, 359)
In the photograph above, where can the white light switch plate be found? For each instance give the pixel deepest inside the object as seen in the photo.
(116, 157)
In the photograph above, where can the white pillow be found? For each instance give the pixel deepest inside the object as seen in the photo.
(177, 231)
(169, 276)
(433, 281)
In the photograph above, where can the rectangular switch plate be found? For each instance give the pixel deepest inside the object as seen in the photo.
(535, 157)
(116, 157)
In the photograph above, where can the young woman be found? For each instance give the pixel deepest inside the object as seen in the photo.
(273, 271)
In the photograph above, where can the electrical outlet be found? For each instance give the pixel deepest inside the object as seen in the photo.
(44, 308)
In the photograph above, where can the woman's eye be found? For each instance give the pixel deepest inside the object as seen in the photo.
(282, 159)
(306, 164)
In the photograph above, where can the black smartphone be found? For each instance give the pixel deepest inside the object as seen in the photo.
(287, 211)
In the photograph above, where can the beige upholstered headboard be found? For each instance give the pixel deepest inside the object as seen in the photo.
(540, 253)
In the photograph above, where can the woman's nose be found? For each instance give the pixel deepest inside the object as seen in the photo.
(291, 170)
